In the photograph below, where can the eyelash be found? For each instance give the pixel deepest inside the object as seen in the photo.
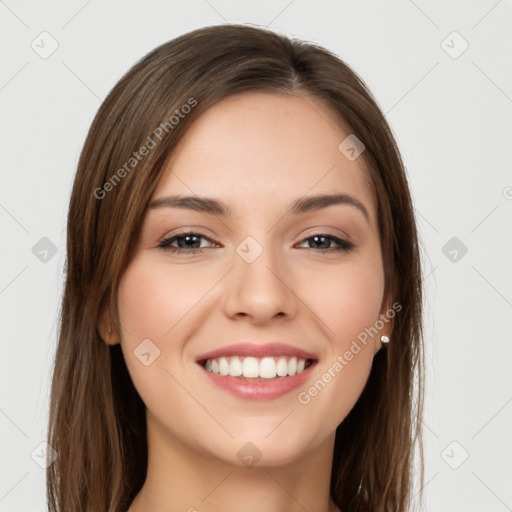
(344, 245)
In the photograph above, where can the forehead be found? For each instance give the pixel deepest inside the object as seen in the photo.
(259, 148)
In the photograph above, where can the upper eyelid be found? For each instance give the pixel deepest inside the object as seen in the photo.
(188, 232)
(167, 239)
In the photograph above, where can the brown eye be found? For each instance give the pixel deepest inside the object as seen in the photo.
(189, 242)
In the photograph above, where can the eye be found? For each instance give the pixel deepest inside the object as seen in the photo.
(323, 238)
(187, 242)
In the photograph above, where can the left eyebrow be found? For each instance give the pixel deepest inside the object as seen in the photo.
(299, 206)
(313, 203)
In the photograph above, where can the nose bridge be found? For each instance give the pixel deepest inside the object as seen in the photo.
(257, 285)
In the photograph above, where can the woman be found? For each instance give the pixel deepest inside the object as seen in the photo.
(241, 322)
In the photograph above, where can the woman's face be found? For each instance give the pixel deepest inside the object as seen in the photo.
(263, 289)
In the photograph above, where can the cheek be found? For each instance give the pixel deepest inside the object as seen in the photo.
(152, 301)
(348, 301)
(148, 309)
(161, 304)
(348, 304)
(151, 304)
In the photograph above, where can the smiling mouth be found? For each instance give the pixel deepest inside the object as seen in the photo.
(257, 368)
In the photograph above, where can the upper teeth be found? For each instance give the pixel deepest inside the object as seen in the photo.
(253, 367)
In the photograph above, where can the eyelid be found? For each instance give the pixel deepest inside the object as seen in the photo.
(184, 233)
(199, 231)
(325, 230)
(342, 243)
(321, 230)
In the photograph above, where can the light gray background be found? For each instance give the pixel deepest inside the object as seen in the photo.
(451, 114)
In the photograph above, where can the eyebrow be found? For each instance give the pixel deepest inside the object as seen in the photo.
(215, 207)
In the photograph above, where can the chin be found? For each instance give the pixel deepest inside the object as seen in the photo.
(254, 449)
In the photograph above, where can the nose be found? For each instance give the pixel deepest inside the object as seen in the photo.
(260, 290)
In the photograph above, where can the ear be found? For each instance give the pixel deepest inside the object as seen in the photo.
(387, 318)
(106, 329)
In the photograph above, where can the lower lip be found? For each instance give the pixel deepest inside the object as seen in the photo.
(250, 389)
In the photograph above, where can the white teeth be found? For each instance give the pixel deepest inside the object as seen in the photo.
(267, 368)
(282, 367)
(292, 366)
(235, 367)
(252, 367)
(223, 366)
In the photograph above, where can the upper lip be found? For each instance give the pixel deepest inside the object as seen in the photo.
(254, 349)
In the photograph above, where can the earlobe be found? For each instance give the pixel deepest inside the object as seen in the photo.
(386, 317)
(106, 330)
(383, 340)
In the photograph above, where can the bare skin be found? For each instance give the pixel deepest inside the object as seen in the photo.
(257, 152)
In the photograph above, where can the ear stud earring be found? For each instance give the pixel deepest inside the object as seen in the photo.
(384, 339)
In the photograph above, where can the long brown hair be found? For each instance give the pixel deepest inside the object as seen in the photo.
(97, 419)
